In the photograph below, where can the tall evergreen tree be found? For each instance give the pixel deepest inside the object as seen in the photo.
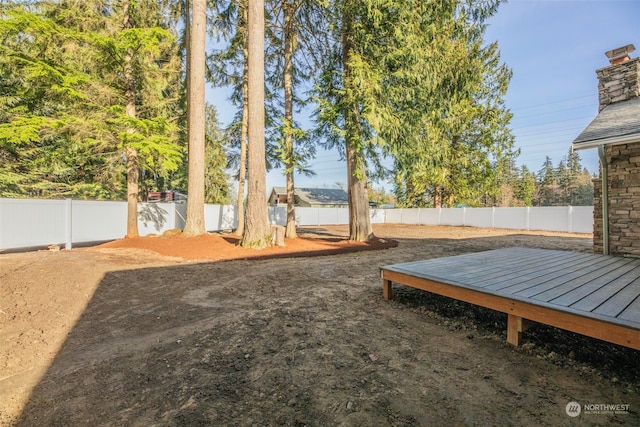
(215, 181)
(547, 184)
(452, 139)
(74, 112)
(300, 41)
(526, 186)
(196, 122)
(257, 229)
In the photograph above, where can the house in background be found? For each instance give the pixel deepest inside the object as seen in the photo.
(615, 132)
(311, 197)
(165, 196)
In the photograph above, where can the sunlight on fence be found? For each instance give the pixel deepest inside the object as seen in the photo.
(28, 223)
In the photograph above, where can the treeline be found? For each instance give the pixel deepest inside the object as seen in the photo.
(93, 100)
(566, 184)
(93, 97)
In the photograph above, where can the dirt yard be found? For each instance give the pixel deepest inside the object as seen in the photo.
(122, 336)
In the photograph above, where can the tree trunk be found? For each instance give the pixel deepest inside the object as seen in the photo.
(359, 221)
(289, 10)
(130, 152)
(132, 192)
(242, 173)
(437, 196)
(257, 232)
(196, 120)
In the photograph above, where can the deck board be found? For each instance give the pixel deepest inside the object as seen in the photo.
(592, 294)
(568, 284)
(567, 278)
(496, 272)
(543, 274)
(595, 284)
(632, 312)
(597, 298)
(619, 301)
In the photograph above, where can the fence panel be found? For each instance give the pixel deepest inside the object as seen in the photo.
(410, 216)
(393, 216)
(549, 218)
(377, 216)
(307, 216)
(156, 218)
(220, 217)
(327, 216)
(452, 216)
(478, 217)
(511, 218)
(98, 221)
(426, 216)
(278, 215)
(581, 219)
(26, 223)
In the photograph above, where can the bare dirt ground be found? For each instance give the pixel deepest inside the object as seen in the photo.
(116, 335)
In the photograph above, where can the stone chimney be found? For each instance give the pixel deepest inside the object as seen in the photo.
(619, 81)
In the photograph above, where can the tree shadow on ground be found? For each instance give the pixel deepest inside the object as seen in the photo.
(311, 342)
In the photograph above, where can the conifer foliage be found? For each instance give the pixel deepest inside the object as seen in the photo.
(86, 86)
(94, 103)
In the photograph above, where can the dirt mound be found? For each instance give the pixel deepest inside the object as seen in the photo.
(224, 246)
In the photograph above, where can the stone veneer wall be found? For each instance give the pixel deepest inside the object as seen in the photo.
(618, 82)
(597, 216)
(624, 201)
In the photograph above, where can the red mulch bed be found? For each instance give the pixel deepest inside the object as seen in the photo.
(219, 246)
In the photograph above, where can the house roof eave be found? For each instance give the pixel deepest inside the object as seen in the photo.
(615, 140)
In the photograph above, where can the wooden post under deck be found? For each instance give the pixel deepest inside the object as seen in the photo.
(515, 326)
(386, 288)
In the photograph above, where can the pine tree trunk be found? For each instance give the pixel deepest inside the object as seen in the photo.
(257, 232)
(242, 173)
(288, 118)
(437, 197)
(360, 229)
(130, 152)
(196, 120)
(132, 192)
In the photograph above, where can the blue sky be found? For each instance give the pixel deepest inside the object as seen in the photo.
(553, 48)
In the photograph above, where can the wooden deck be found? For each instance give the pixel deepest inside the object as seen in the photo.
(590, 294)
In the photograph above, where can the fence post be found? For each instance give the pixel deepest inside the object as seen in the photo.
(528, 217)
(569, 219)
(68, 224)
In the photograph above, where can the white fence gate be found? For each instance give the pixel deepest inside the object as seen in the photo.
(26, 223)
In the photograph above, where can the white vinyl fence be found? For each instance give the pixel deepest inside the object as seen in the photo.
(572, 219)
(26, 223)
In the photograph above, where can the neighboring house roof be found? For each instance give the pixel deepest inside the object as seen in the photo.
(617, 123)
(318, 196)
